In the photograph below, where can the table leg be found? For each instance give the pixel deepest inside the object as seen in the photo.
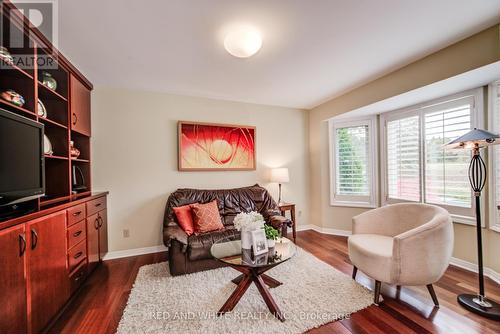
(271, 282)
(294, 223)
(266, 295)
(236, 295)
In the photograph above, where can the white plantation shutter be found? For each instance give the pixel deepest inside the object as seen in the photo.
(403, 159)
(353, 154)
(446, 180)
(352, 161)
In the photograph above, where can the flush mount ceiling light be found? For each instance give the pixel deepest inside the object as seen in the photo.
(243, 42)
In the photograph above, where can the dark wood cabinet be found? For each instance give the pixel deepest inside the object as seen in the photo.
(80, 107)
(47, 274)
(103, 233)
(13, 296)
(92, 240)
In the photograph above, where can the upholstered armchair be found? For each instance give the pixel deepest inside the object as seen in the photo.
(402, 244)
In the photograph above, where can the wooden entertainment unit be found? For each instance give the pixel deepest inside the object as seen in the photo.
(46, 254)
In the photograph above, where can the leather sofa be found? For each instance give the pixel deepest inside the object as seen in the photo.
(189, 254)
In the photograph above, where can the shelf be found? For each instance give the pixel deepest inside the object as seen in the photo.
(48, 156)
(49, 201)
(48, 120)
(7, 103)
(12, 66)
(79, 195)
(80, 160)
(55, 94)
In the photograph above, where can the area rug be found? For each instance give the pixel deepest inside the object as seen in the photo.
(313, 293)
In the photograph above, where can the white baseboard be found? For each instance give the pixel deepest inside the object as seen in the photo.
(134, 252)
(488, 272)
(324, 230)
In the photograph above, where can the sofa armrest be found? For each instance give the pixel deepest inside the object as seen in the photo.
(173, 232)
(278, 221)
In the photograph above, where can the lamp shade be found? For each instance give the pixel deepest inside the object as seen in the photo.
(474, 138)
(280, 175)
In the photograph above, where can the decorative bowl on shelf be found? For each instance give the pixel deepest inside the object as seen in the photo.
(5, 55)
(74, 152)
(47, 146)
(42, 111)
(48, 80)
(13, 97)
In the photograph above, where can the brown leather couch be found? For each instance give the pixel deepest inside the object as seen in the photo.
(191, 254)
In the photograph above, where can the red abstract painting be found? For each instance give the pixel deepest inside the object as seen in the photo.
(205, 146)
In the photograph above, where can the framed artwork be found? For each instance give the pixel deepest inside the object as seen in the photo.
(215, 147)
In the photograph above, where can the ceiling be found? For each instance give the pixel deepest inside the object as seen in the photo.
(312, 50)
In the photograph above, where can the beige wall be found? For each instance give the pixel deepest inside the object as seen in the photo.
(135, 155)
(476, 51)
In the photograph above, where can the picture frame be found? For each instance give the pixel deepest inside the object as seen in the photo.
(216, 147)
(259, 242)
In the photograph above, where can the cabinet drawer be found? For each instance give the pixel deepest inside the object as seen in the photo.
(76, 214)
(76, 279)
(76, 233)
(96, 205)
(76, 255)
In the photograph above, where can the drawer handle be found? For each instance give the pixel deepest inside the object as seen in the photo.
(80, 276)
(34, 239)
(77, 255)
(96, 223)
(77, 233)
(22, 244)
(75, 119)
(98, 204)
(77, 213)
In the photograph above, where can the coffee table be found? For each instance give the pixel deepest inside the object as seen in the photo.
(253, 269)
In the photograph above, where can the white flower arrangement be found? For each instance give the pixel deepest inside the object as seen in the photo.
(248, 221)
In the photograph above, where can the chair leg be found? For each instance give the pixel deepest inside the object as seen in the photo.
(354, 272)
(433, 294)
(376, 299)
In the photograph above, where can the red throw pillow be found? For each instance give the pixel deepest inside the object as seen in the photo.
(185, 218)
(206, 217)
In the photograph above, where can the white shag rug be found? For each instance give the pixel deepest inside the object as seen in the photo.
(313, 293)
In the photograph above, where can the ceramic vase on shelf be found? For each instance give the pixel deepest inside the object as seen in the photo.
(75, 153)
(5, 55)
(49, 81)
(13, 97)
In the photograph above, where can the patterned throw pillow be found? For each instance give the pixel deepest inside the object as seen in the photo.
(206, 217)
(185, 218)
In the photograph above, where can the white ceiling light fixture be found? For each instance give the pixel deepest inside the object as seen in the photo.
(243, 42)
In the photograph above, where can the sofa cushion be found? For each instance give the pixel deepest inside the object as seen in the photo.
(373, 253)
(199, 245)
(185, 218)
(206, 217)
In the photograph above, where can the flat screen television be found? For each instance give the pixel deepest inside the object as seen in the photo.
(22, 172)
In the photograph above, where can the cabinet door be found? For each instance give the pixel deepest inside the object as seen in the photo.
(93, 240)
(103, 233)
(47, 273)
(80, 107)
(13, 280)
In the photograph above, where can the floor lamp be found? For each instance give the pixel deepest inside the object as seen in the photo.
(474, 140)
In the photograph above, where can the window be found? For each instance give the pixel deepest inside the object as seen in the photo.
(352, 163)
(494, 162)
(415, 165)
(403, 159)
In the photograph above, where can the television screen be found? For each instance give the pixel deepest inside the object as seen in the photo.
(21, 157)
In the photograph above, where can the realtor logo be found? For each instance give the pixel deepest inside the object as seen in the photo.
(18, 43)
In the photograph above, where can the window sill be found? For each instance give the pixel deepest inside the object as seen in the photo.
(354, 205)
(495, 228)
(464, 220)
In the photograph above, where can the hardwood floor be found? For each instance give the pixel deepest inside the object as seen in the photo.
(98, 308)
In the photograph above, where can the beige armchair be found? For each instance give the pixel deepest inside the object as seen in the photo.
(402, 244)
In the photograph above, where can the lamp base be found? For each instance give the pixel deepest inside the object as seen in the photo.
(472, 303)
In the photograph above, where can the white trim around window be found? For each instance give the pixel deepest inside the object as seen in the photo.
(494, 156)
(368, 198)
(475, 98)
